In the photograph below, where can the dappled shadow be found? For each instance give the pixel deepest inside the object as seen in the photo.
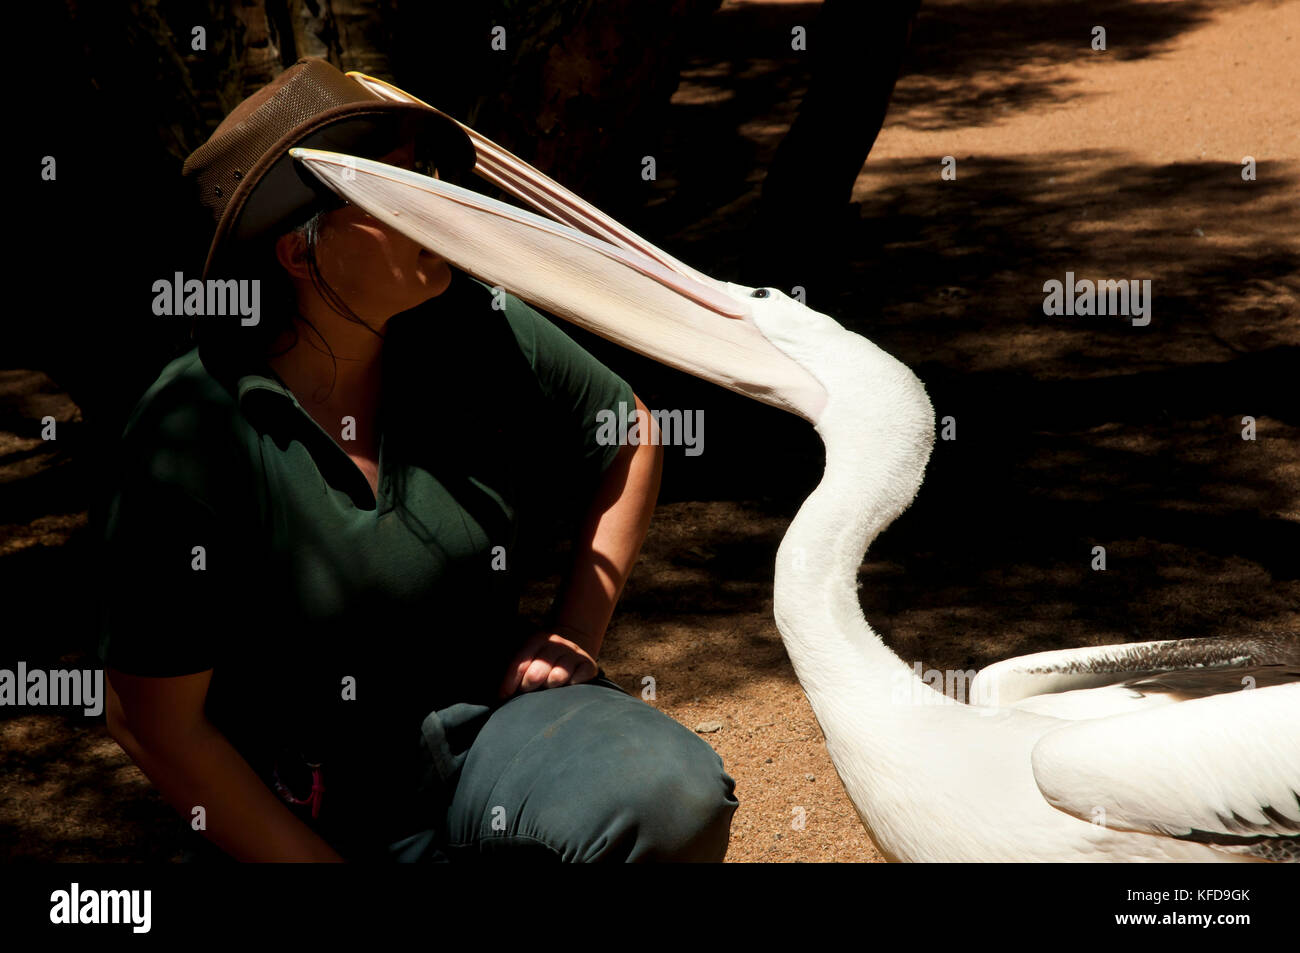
(1072, 432)
(949, 277)
(70, 794)
(44, 487)
(67, 792)
(970, 63)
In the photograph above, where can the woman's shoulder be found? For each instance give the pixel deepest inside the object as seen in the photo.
(184, 404)
(186, 429)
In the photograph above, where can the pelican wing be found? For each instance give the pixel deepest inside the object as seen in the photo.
(1223, 770)
(1159, 672)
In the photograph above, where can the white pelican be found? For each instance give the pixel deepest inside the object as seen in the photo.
(1113, 777)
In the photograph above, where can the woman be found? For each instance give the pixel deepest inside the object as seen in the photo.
(315, 547)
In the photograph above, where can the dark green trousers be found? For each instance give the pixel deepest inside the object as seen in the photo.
(580, 773)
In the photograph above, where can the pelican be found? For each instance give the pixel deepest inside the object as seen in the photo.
(1145, 752)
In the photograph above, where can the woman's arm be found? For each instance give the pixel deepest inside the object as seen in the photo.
(604, 553)
(160, 723)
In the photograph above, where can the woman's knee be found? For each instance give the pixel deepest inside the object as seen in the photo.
(676, 806)
(669, 800)
(608, 778)
(686, 821)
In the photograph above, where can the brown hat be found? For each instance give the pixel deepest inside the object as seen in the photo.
(246, 178)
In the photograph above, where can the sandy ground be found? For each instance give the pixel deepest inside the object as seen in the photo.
(1071, 432)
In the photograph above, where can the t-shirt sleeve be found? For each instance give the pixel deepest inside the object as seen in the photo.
(171, 564)
(585, 394)
(166, 585)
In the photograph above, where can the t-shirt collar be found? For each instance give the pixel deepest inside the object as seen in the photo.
(244, 377)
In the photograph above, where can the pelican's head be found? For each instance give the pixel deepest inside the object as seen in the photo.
(869, 408)
(583, 266)
(586, 268)
(647, 303)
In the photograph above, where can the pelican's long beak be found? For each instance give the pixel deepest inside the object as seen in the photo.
(512, 174)
(586, 268)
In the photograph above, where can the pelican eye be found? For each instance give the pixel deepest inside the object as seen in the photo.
(760, 293)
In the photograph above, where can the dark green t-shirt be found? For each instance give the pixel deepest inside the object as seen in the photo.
(332, 624)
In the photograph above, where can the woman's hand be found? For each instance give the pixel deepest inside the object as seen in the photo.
(604, 552)
(548, 660)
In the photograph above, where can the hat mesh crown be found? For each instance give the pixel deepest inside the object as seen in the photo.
(294, 99)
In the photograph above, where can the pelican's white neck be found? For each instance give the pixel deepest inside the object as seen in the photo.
(878, 428)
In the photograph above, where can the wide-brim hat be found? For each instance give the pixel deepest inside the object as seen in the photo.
(253, 189)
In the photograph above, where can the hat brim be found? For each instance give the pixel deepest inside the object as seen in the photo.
(275, 196)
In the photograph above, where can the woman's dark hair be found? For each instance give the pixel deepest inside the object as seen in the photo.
(278, 302)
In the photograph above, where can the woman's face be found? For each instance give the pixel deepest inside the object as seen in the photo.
(377, 271)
